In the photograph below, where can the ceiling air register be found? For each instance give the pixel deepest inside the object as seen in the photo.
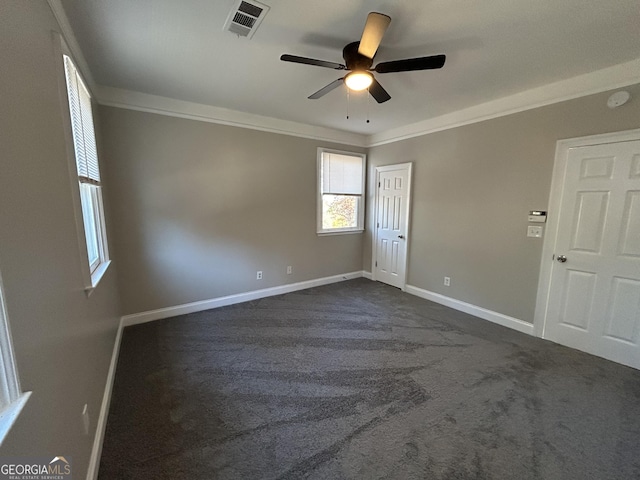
(245, 17)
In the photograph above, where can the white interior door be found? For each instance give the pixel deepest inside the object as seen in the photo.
(594, 291)
(392, 224)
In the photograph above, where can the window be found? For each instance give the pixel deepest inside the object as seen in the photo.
(340, 191)
(88, 172)
(11, 397)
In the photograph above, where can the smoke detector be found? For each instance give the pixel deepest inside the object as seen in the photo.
(618, 99)
(245, 17)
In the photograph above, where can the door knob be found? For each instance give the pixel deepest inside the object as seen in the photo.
(562, 258)
(400, 236)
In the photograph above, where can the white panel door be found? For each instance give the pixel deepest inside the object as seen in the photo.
(594, 296)
(392, 224)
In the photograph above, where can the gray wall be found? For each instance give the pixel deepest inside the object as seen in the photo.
(200, 207)
(63, 340)
(472, 189)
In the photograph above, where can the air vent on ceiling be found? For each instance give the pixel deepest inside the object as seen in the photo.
(245, 17)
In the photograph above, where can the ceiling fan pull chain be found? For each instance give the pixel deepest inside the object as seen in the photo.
(368, 100)
(348, 99)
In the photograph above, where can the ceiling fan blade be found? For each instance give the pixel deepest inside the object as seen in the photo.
(377, 92)
(324, 90)
(312, 61)
(411, 64)
(377, 24)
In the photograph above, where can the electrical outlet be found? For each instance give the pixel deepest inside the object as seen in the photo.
(289, 270)
(447, 281)
(534, 231)
(85, 419)
(259, 275)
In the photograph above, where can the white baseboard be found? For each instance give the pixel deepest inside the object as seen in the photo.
(495, 317)
(168, 312)
(367, 275)
(101, 425)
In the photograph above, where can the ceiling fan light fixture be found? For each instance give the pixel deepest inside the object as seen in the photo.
(358, 80)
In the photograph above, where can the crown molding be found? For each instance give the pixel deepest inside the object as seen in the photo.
(72, 43)
(610, 78)
(144, 102)
(617, 76)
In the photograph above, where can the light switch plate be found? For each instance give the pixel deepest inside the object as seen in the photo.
(534, 231)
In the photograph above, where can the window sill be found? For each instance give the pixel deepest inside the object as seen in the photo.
(10, 413)
(96, 276)
(339, 232)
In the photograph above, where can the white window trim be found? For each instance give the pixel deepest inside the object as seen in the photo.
(339, 231)
(99, 267)
(13, 399)
(91, 277)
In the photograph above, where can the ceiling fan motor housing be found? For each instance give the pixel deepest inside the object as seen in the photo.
(355, 60)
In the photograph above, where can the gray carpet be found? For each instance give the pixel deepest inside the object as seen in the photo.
(358, 380)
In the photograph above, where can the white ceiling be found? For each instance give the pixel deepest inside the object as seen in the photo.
(494, 48)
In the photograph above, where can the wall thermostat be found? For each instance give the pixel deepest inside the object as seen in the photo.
(537, 216)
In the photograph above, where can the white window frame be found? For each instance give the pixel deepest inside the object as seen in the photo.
(92, 271)
(12, 399)
(359, 228)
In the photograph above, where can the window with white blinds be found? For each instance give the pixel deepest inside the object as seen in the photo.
(12, 399)
(88, 169)
(340, 191)
(84, 138)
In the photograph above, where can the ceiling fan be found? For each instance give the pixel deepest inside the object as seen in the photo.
(358, 57)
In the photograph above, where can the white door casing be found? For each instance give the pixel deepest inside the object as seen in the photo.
(591, 301)
(391, 224)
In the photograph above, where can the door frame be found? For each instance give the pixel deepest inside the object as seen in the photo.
(553, 215)
(408, 166)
